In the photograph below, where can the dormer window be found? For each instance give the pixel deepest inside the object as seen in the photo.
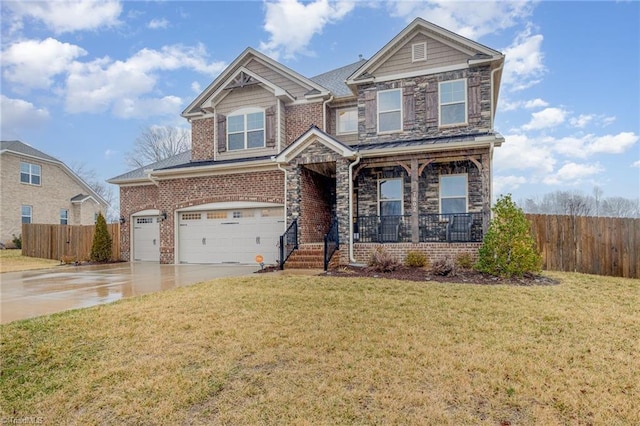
(245, 129)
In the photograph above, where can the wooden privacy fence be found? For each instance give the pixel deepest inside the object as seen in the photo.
(593, 245)
(72, 242)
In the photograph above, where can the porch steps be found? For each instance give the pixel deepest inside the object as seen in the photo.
(310, 256)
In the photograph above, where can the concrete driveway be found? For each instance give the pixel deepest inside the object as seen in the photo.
(33, 293)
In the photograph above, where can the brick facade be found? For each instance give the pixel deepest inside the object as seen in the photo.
(298, 119)
(317, 205)
(202, 139)
(434, 251)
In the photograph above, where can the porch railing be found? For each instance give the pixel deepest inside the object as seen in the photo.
(331, 242)
(442, 228)
(288, 242)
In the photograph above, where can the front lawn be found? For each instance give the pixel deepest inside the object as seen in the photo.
(12, 260)
(275, 349)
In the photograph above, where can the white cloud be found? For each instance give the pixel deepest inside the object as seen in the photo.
(524, 65)
(18, 114)
(504, 184)
(292, 24)
(34, 63)
(573, 173)
(155, 24)
(506, 105)
(67, 15)
(487, 17)
(582, 120)
(636, 164)
(586, 145)
(548, 117)
(105, 84)
(195, 86)
(519, 152)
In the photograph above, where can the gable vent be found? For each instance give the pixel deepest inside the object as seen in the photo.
(419, 52)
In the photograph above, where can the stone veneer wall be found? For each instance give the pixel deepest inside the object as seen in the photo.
(362, 251)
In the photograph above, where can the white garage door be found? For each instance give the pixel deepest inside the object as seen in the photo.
(230, 236)
(146, 238)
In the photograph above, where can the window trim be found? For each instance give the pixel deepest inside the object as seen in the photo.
(466, 192)
(348, 109)
(465, 101)
(401, 199)
(245, 112)
(22, 215)
(64, 219)
(31, 173)
(379, 111)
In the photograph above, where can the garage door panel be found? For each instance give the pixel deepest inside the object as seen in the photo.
(230, 236)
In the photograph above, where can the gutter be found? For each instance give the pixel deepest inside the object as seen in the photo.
(351, 166)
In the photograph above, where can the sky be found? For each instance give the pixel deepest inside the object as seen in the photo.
(82, 80)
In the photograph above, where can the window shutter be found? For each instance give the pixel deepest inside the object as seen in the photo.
(270, 126)
(222, 132)
(432, 104)
(370, 111)
(408, 107)
(474, 98)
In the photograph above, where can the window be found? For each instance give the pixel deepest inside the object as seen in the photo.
(27, 214)
(453, 102)
(30, 173)
(390, 110)
(191, 216)
(347, 120)
(217, 215)
(453, 194)
(64, 217)
(245, 130)
(390, 197)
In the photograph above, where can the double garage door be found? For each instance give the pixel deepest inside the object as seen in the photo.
(230, 236)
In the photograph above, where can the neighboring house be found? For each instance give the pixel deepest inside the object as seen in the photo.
(38, 188)
(397, 149)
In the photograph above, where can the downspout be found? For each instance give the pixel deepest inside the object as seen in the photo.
(153, 181)
(324, 113)
(351, 166)
(491, 147)
(278, 144)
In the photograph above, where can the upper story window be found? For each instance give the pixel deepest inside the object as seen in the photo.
(64, 217)
(390, 197)
(27, 214)
(453, 102)
(390, 111)
(245, 129)
(453, 194)
(30, 173)
(347, 120)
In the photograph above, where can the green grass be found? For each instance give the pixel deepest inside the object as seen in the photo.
(317, 350)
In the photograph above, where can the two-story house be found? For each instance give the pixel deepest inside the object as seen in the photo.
(394, 150)
(38, 188)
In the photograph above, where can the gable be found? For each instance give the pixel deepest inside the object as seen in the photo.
(438, 55)
(254, 68)
(446, 51)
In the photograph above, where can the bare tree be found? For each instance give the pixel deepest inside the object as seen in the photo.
(620, 207)
(156, 143)
(574, 203)
(90, 177)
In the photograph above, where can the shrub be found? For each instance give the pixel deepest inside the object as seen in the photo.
(383, 261)
(508, 248)
(17, 241)
(464, 261)
(443, 266)
(101, 247)
(416, 259)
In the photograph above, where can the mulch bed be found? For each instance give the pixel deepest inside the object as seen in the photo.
(421, 274)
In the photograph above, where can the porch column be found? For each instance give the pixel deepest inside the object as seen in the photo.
(415, 195)
(342, 205)
(293, 194)
(485, 176)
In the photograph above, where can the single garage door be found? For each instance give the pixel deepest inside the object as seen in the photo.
(146, 238)
(230, 236)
